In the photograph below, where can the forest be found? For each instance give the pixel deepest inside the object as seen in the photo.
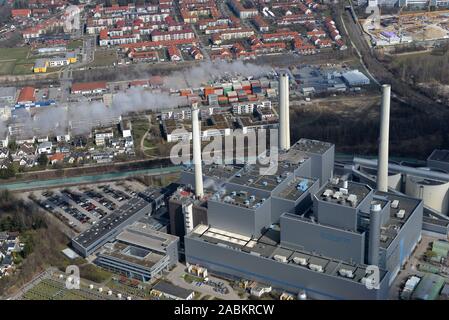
(43, 240)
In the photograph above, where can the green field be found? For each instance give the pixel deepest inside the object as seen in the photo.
(74, 44)
(20, 69)
(15, 61)
(104, 58)
(7, 67)
(13, 53)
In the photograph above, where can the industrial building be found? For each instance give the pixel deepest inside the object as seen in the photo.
(110, 226)
(430, 184)
(139, 252)
(166, 290)
(301, 229)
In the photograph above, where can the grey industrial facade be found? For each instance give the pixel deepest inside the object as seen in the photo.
(303, 228)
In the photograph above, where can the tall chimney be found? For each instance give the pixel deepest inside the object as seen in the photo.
(284, 116)
(382, 163)
(196, 141)
(374, 233)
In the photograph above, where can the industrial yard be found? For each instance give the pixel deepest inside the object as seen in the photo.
(352, 203)
(407, 28)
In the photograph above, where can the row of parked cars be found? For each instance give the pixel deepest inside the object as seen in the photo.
(58, 201)
(100, 199)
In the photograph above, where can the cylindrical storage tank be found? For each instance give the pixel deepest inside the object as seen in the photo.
(394, 179)
(434, 193)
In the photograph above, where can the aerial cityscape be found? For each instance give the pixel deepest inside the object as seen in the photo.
(232, 150)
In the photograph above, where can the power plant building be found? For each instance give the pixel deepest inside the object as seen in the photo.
(303, 228)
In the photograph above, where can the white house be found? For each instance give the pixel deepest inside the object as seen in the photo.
(45, 147)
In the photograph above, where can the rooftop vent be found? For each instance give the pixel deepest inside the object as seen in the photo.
(400, 214)
(335, 180)
(316, 267)
(300, 260)
(346, 273)
(337, 194)
(395, 204)
(280, 258)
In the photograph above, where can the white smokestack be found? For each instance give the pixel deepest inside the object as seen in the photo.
(374, 234)
(382, 163)
(196, 141)
(284, 116)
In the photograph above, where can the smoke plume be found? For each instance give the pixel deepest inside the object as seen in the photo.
(81, 118)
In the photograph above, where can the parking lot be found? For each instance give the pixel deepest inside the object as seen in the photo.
(82, 206)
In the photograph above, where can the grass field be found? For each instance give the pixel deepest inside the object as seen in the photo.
(15, 61)
(20, 69)
(14, 53)
(140, 126)
(74, 44)
(7, 67)
(104, 58)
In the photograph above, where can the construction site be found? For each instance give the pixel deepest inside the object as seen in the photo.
(406, 27)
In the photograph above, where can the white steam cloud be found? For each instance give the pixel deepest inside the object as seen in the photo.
(210, 71)
(83, 117)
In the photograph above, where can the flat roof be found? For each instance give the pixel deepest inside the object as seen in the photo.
(142, 235)
(111, 221)
(312, 146)
(394, 225)
(132, 254)
(172, 290)
(351, 196)
(251, 176)
(243, 199)
(296, 188)
(268, 246)
(219, 171)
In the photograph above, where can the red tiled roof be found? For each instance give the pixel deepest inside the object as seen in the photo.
(104, 34)
(172, 51)
(56, 157)
(88, 86)
(20, 12)
(26, 94)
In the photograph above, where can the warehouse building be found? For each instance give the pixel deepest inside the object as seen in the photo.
(166, 290)
(110, 226)
(355, 78)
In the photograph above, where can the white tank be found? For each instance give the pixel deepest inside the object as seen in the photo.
(434, 193)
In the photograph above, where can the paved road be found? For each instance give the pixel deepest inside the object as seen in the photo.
(380, 72)
(175, 277)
